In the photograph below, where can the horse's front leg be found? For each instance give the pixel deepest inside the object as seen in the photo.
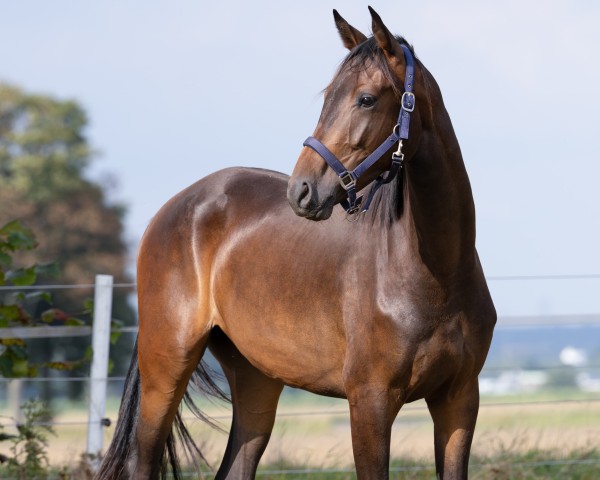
(373, 408)
(454, 416)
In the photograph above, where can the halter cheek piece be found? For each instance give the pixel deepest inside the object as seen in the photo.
(348, 178)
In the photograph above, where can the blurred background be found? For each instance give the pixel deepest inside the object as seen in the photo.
(109, 109)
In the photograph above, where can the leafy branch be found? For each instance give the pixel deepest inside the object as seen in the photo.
(15, 308)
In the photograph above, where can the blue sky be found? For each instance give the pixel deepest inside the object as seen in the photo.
(176, 90)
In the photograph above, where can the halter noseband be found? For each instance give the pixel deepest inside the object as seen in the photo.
(348, 178)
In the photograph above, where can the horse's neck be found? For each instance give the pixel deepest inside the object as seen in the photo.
(439, 215)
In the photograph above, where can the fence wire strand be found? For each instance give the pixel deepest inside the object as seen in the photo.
(490, 278)
(337, 411)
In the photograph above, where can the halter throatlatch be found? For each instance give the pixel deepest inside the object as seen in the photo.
(348, 179)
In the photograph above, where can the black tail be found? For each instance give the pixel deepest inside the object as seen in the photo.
(114, 462)
(122, 446)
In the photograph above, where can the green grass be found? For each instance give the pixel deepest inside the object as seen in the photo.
(507, 462)
(582, 464)
(534, 464)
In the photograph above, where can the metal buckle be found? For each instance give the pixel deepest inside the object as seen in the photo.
(408, 101)
(399, 159)
(347, 180)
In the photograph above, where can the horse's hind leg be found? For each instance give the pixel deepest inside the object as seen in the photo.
(170, 345)
(254, 397)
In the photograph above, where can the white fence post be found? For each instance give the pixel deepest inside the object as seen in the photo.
(99, 370)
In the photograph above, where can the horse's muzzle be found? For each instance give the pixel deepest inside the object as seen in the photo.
(306, 202)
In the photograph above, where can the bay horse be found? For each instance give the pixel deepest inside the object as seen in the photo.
(386, 309)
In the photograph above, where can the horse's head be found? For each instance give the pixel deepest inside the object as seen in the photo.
(360, 111)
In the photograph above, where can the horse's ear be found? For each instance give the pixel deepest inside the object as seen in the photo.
(386, 41)
(350, 35)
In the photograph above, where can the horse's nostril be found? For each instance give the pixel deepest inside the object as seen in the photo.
(305, 190)
(304, 199)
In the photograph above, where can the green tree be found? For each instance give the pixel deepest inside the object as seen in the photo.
(44, 157)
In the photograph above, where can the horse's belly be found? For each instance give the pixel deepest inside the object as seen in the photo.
(276, 311)
(297, 349)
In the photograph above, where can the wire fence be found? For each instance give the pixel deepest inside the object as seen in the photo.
(589, 400)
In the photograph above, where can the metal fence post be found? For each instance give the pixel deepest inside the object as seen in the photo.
(99, 369)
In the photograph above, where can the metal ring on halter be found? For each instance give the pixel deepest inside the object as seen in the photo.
(353, 215)
(353, 212)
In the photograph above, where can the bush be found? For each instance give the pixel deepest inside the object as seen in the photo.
(29, 459)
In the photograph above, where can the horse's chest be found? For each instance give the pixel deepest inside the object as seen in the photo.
(413, 342)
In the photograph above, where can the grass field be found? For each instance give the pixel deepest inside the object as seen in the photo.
(547, 435)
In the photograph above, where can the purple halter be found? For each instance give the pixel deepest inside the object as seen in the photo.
(348, 178)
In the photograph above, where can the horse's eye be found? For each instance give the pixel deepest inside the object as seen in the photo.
(366, 101)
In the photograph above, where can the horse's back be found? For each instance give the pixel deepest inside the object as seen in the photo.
(246, 192)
